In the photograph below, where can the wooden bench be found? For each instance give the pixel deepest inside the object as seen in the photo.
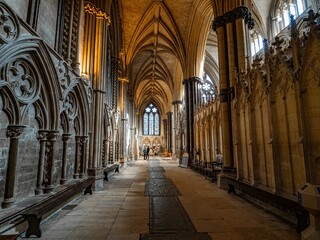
(213, 168)
(281, 203)
(35, 213)
(109, 169)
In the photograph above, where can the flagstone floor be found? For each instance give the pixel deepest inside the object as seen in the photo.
(122, 210)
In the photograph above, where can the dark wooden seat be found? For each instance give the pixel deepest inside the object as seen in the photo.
(110, 168)
(284, 204)
(35, 213)
(213, 168)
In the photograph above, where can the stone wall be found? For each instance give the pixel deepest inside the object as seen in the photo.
(41, 98)
(275, 115)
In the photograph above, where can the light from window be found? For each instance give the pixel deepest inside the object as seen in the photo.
(300, 6)
(256, 43)
(285, 9)
(151, 120)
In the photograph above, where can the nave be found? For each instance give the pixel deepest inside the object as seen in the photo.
(128, 210)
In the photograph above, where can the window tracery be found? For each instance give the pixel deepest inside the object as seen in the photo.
(151, 120)
(207, 90)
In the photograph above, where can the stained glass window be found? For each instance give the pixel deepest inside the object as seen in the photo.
(151, 120)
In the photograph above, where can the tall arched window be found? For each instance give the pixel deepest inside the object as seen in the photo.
(256, 42)
(151, 120)
(284, 9)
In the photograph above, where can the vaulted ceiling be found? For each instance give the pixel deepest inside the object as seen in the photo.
(166, 41)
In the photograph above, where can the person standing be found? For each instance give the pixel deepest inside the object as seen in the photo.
(144, 153)
(148, 150)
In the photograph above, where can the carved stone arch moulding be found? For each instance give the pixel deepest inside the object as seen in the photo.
(27, 68)
(9, 24)
(10, 106)
(77, 126)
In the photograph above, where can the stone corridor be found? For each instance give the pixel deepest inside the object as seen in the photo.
(156, 199)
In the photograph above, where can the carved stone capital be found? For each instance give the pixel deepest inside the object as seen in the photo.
(177, 102)
(42, 135)
(14, 131)
(52, 135)
(78, 139)
(231, 16)
(84, 139)
(66, 137)
(192, 80)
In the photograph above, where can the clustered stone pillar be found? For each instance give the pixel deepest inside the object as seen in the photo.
(176, 143)
(231, 33)
(169, 131)
(165, 131)
(13, 132)
(192, 97)
(49, 161)
(124, 121)
(94, 60)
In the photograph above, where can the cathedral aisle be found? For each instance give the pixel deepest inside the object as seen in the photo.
(122, 210)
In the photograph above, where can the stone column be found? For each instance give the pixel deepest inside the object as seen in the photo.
(42, 138)
(77, 157)
(169, 129)
(191, 100)
(165, 131)
(123, 132)
(232, 36)
(65, 138)
(13, 132)
(83, 151)
(94, 62)
(176, 109)
(49, 161)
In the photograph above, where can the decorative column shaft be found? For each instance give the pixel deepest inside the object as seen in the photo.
(191, 97)
(165, 127)
(13, 132)
(42, 138)
(83, 150)
(176, 109)
(124, 120)
(49, 161)
(77, 157)
(169, 129)
(65, 138)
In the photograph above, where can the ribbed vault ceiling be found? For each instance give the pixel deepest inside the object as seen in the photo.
(156, 35)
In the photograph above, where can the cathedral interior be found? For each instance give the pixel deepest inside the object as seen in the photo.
(224, 94)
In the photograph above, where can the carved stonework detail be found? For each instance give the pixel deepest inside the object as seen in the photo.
(9, 27)
(23, 80)
(42, 135)
(70, 106)
(91, 9)
(49, 151)
(14, 131)
(232, 16)
(63, 75)
(89, 90)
